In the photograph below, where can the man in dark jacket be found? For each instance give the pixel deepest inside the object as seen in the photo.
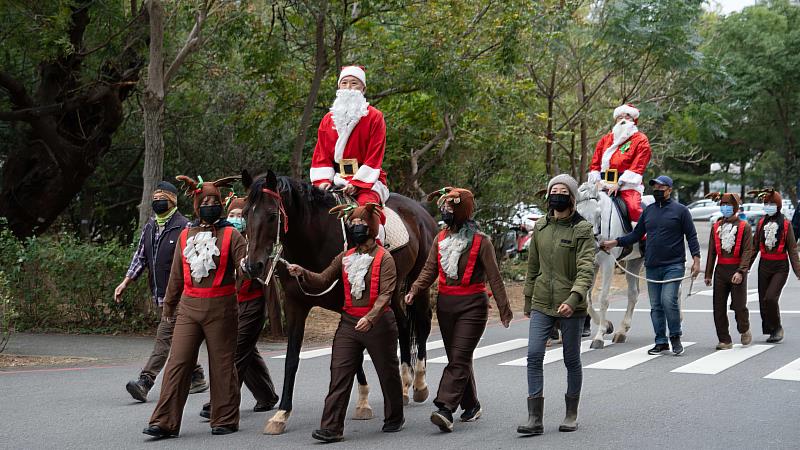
(154, 253)
(666, 223)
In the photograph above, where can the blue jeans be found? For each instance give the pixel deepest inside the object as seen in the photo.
(539, 332)
(664, 308)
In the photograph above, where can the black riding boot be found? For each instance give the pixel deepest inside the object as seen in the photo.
(534, 426)
(570, 422)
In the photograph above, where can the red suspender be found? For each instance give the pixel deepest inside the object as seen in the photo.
(780, 252)
(737, 250)
(463, 288)
(216, 289)
(374, 286)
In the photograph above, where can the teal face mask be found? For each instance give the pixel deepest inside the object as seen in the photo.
(238, 223)
(726, 210)
(770, 209)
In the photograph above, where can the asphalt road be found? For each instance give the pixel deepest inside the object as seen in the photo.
(697, 400)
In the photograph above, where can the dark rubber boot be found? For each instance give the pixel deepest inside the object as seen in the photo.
(570, 422)
(534, 426)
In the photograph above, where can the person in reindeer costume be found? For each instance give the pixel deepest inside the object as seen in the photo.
(730, 249)
(351, 142)
(775, 241)
(462, 261)
(201, 299)
(620, 159)
(369, 277)
(250, 367)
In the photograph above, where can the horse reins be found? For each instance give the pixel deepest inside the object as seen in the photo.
(275, 257)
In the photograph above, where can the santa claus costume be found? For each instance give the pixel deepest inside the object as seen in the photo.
(621, 158)
(775, 241)
(351, 142)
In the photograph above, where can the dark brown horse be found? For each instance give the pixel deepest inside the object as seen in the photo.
(296, 213)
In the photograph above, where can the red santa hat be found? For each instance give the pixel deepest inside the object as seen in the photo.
(353, 71)
(629, 109)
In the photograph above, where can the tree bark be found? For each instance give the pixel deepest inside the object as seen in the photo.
(320, 68)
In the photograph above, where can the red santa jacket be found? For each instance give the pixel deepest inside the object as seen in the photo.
(630, 159)
(367, 145)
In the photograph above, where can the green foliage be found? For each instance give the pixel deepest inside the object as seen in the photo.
(60, 283)
(7, 312)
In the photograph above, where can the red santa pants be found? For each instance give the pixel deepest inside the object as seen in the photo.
(633, 200)
(364, 196)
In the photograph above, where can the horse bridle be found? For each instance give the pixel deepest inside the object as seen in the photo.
(594, 227)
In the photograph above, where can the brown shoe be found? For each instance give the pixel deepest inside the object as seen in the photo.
(724, 346)
(747, 337)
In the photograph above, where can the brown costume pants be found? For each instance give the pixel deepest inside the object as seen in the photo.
(772, 276)
(161, 350)
(250, 366)
(348, 349)
(197, 319)
(462, 320)
(738, 293)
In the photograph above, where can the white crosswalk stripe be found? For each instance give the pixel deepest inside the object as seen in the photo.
(789, 372)
(309, 353)
(489, 350)
(556, 354)
(435, 345)
(722, 359)
(630, 359)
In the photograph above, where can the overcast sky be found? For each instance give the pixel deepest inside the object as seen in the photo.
(729, 6)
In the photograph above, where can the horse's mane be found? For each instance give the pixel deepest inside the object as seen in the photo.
(301, 196)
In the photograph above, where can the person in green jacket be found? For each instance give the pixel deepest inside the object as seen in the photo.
(560, 274)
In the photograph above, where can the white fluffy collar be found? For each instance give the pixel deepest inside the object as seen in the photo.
(771, 235)
(450, 250)
(727, 235)
(356, 266)
(200, 252)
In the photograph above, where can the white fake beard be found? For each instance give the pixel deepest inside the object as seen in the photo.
(622, 131)
(450, 250)
(347, 110)
(727, 236)
(356, 267)
(771, 234)
(200, 252)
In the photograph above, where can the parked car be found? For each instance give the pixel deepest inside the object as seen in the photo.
(752, 213)
(703, 209)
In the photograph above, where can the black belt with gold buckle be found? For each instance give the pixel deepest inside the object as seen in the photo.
(610, 176)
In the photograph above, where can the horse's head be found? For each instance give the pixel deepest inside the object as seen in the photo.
(588, 204)
(266, 221)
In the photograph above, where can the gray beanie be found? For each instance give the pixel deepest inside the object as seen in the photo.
(567, 181)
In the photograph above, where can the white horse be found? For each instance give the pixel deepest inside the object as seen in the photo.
(596, 207)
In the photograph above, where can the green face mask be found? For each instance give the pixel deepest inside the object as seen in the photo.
(238, 223)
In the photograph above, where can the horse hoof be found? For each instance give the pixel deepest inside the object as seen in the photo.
(405, 399)
(420, 395)
(597, 344)
(277, 424)
(619, 338)
(610, 328)
(363, 413)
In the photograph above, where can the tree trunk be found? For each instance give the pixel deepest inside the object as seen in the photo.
(320, 68)
(63, 145)
(584, 138)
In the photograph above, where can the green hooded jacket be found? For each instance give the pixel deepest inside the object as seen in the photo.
(560, 265)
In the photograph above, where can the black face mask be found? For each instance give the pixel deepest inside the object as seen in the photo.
(160, 206)
(210, 213)
(559, 202)
(448, 218)
(659, 196)
(360, 233)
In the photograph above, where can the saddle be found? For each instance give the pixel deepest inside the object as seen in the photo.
(397, 235)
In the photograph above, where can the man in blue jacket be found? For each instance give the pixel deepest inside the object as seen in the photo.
(665, 223)
(154, 253)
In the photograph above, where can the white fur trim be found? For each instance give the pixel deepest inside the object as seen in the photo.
(771, 234)
(339, 181)
(594, 176)
(450, 250)
(367, 174)
(321, 173)
(727, 236)
(382, 190)
(353, 71)
(630, 177)
(356, 266)
(626, 109)
(199, 253)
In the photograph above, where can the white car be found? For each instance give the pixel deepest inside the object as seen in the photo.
(703, 209)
